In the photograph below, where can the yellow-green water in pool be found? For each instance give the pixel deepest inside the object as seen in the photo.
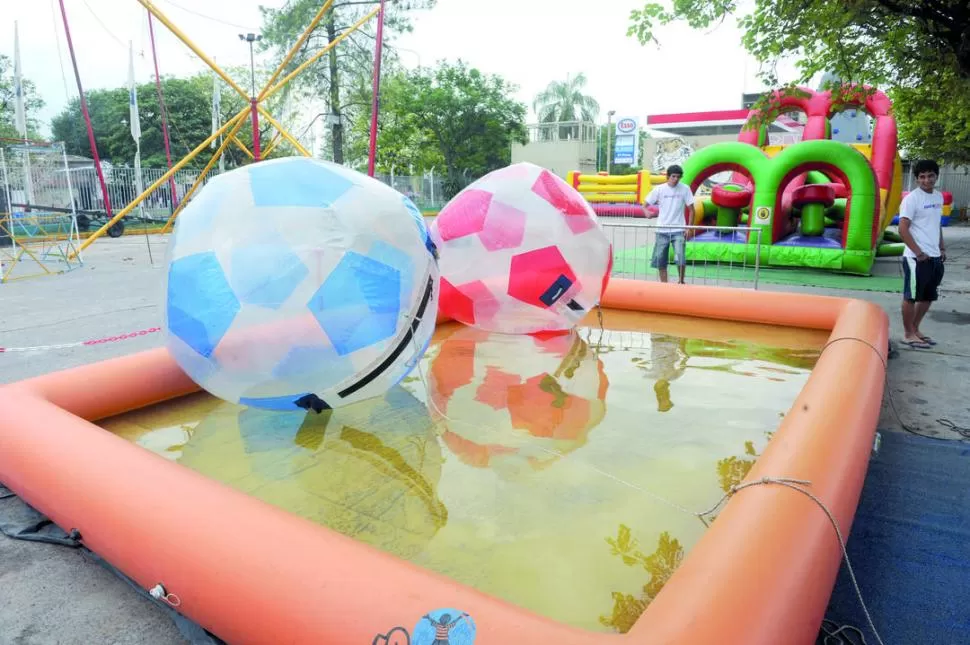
(554, 474)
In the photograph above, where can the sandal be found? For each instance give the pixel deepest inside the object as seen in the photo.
(929, 341)
(916, 344)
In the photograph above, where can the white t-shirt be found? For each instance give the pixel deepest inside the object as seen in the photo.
(925, 212)
(671, 202)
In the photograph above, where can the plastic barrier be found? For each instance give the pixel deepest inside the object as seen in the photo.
(615, 195)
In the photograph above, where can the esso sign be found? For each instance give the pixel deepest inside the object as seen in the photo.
(626, 126)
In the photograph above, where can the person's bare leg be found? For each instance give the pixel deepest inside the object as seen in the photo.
(663, 274)
(919, 310)
(680, 272)
(909, 315)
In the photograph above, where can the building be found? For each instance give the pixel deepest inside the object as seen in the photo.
(559, 147)
(699, 129)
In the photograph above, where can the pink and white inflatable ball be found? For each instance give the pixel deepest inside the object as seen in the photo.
(521, 252)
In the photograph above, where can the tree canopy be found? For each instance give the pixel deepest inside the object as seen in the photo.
(32, 102)
(345, 72)
(189, 105)
(565, 101)
(916, 51)
(452, 118)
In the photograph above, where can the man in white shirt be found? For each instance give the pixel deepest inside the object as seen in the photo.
(920, 217)
(670, 198)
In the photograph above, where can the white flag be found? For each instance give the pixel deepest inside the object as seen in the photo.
(133, 97)
(20, 112)
(134, 119)
(216, 105)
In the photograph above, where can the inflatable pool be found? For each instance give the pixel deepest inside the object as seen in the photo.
(253, 572)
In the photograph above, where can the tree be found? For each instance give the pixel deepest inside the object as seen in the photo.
(564, 101)
(452, 117)
(347, 66)
(32, 103)
(189, 105)
(917, 51)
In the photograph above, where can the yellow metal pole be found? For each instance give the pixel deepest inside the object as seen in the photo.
(272, 145)
(357, 25)
(202, 175)
(286, 135)
(161, 180)
(299, 43)
(242, 146)
(198, 52)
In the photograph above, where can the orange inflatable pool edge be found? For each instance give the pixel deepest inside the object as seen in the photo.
(252, 573)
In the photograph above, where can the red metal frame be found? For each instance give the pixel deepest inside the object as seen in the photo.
(375, 99)
(84, 111)
(163, 111)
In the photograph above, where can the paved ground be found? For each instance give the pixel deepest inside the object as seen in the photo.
(51, 594)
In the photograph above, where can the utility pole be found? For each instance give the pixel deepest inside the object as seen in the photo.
(609, 141)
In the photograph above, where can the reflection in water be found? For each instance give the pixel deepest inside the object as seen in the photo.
(483, 466)
(368, 470)
(660, 564)
(492, 390)
(668, 360)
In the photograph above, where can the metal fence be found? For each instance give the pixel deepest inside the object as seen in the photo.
(36, 240)
(427, 191)
(956, 181)
(634, 241)
(124, 186)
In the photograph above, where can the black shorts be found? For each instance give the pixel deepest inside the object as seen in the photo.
(921, 280)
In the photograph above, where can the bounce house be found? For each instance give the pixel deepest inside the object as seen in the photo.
(616, 195)
(817, 203)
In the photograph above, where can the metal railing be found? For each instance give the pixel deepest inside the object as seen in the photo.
(956, 181)
(736, 263)
(428, 191)
(562, 131)
(123, 188)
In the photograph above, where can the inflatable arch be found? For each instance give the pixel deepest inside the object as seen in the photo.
(818, 218)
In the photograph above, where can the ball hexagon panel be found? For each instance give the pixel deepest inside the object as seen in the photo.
(359, 303)
(458, 305)
(201, 304)
(565, 199)
(504, 227)
(286, 403)
(422, 225)
(197, 217)
(464, 215)
(302, 363)
(265, 274)
(541, 277)
(286, 182)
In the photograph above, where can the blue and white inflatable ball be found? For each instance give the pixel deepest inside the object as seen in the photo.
(299, 284)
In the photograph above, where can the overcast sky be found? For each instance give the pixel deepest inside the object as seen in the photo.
(528, 42)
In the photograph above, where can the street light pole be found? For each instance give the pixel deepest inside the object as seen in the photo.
(609, 141)
(253, 101)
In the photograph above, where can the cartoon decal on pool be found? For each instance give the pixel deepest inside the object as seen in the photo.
(439, 627)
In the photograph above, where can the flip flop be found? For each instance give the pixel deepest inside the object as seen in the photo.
(929, 341)
(915, 344)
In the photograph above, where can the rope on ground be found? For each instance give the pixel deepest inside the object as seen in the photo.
(82, 343)
(797, 485)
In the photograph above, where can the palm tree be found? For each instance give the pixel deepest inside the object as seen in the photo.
(564, 101)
